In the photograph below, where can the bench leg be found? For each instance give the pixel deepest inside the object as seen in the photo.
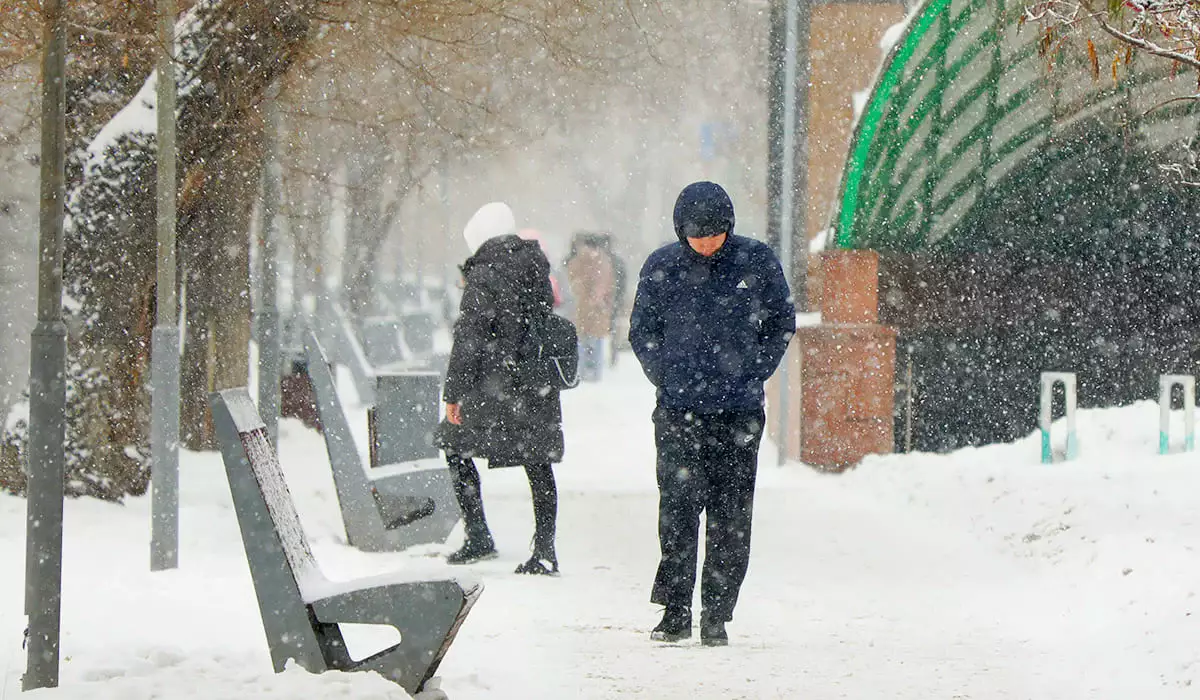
(428, 615)
(402, 495)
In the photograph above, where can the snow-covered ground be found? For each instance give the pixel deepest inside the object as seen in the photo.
(982, 574)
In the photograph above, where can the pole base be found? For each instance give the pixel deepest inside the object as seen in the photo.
(164, 448)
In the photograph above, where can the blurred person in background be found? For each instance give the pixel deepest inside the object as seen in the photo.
(591, 277)
(618, 305)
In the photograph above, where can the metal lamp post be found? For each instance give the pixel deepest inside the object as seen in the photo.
(164, 420)
(267, 321)
(788, 171)
(47, 381)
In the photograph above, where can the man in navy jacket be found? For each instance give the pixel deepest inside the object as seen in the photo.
(711, 321)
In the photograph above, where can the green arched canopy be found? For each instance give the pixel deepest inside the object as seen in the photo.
(967, 94)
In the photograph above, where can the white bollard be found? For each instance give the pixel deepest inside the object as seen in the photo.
(1187, 383)
(1045, 419)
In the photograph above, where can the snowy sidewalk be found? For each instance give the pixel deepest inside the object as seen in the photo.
(846, 597)
(980, 575)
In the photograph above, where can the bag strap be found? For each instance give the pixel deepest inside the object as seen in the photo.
(568, 383)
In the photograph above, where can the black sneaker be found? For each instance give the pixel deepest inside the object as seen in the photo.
(676, 625)
(472, 552)
(538, 567)
(712, 634)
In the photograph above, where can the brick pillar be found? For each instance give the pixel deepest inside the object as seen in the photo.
(847, 367)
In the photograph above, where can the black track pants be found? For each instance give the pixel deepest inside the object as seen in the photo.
(706, 463)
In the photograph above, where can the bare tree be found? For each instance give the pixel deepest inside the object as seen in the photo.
(446, 62)
(229, 53)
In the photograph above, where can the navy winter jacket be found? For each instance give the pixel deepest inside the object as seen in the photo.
(710, 330)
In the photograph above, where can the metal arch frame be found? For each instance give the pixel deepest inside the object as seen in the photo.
(881, 205)
(868, 125)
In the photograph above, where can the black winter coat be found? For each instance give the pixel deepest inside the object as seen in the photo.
(507, 283)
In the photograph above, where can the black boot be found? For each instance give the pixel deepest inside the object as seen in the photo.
(676, 625)
(545, 515)
(539, 566)
(479, 544)
(473, 550)
(712, 632)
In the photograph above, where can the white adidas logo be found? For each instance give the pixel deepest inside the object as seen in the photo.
(743, 285)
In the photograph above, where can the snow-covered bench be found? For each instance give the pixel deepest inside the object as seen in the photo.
(398, 506)
(301, 609)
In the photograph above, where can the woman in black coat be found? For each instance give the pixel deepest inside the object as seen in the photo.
(490, 413)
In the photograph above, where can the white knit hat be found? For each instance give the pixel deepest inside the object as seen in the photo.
(492, 220)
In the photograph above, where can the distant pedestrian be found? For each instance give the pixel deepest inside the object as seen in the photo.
(619, 295)
(712, 318)
(590, 275)
(490, 412)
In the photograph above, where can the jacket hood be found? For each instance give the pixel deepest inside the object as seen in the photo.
(511, 253)
(492, 220)
(703, 209)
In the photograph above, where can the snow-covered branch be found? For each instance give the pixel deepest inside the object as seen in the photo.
(1167, 29)
(1147, 46)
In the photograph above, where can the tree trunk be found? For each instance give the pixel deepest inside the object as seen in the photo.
(216, 254)
(308, 209)
(364, 229)
(230, 52)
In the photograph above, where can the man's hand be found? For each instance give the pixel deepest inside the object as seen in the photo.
(454, 413)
